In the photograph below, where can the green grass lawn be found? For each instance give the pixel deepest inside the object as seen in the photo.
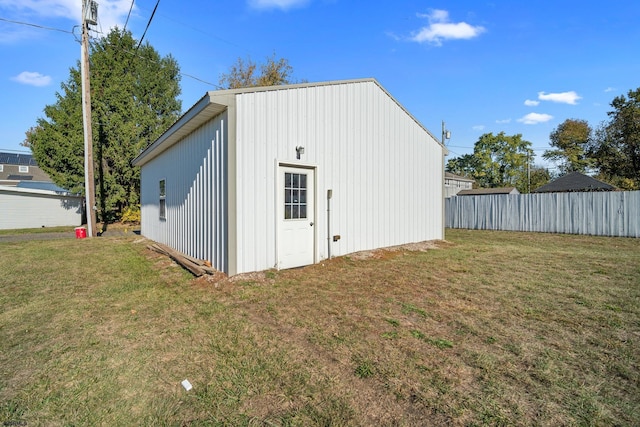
(489, 328)
(63, 229)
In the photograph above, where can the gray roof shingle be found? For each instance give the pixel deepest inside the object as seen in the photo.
(574, 181)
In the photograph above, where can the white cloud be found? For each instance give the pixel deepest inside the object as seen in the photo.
(46, 8)
(478, 127)
(503, 121)
(535, 118)
(610, 89)
(441, 29)
(561, 97)
(111, 13)
(531, 103)
(277, 4)
(32, 78)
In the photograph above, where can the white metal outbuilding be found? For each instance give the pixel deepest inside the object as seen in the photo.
(35, 208)
(285, 176)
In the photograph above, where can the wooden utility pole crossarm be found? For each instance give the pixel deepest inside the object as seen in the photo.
(86, 119)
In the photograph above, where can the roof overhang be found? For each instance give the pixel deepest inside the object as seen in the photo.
(31, 191)
(201, 112)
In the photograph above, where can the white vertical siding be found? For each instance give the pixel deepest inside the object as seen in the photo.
(22, 208)
(384, 169)
(195, 171)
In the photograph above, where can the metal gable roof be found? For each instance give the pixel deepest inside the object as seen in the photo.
(216, 102)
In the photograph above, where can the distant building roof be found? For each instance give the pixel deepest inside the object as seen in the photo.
(572, 182)
(18, 167)
(486, 191)
(42, 185)
(21, 159)
(450, 175)
(18, 190)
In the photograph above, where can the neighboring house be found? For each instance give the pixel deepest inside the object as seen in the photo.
(35, 208)
(28, 198)
(487, 191)
(17, 167)
(574, 182)
(453, 184)
(285, 176)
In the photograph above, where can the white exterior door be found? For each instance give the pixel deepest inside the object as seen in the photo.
(296, 217)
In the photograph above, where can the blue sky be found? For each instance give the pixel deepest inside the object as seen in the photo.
(503, 65)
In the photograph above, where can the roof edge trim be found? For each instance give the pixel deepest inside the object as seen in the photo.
(177, 130)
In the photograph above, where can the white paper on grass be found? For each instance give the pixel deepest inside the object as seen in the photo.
(187, 385)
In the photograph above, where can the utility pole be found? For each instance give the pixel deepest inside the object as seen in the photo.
(89, 15)
(528, 173)
(445, 133)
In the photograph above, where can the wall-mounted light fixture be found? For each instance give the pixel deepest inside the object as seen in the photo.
(299, 151)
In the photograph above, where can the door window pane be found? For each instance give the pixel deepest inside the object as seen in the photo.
(295, 195)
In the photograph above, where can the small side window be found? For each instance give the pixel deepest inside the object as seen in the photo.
(1, 168)
(23, 169)
(163, 200)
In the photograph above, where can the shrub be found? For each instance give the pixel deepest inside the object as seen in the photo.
(131, 215)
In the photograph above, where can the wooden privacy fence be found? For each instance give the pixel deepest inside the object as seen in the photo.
(613, 213)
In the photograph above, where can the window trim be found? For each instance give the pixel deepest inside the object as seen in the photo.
(162, 199)
(23, 169)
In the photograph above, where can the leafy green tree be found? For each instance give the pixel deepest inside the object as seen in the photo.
(497, 161)
(464, 165)
(538, 176)
(570, 139)
(244, 73)
(616, 145)
(134, 99)
(502, 160)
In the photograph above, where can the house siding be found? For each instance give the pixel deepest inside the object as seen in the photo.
(385, 169)
(195, 171)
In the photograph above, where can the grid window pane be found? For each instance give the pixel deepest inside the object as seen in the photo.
(295, 195)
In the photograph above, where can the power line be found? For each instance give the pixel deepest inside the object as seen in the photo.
(135, 54)
(36, 26)
(129, 14)
(148, 23)
(196, 29)
(131, 53)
